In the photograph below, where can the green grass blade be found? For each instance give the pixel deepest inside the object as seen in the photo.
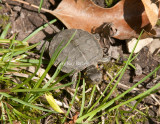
(5, 31)
(3, 118)
(123, 70)
(52, 61)
(124, 93)
(28, 117)
(53, 58)
(91, 98)
(15, 41)
(61, 78)
(9, 60)
(105, 91)
(39, 29)
(28, 79)
(83, 99)
(35, 61)
(23, 49)
(25, 103)
(15, 64)
(66, 115)
(142, 94)
(41, 90)
(40, 6)
(8, 114)
(104, 106)
(136, 110)
(55, 74)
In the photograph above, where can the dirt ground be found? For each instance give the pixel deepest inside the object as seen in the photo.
(25, 19)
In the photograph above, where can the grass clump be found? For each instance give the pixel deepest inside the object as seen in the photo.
(112, 107)
(22, 97)
(4, 19)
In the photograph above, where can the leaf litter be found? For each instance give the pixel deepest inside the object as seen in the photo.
(127, 23)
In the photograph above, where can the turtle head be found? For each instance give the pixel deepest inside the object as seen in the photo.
(93, 75)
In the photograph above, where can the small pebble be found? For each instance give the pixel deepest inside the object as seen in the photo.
(17, 8)
(138, 70)
(139, 86)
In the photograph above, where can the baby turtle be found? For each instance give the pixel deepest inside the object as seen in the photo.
(83, 51)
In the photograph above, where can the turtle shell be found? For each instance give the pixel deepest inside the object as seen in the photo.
(82, 51)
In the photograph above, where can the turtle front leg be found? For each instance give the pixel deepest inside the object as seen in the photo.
(74, 79)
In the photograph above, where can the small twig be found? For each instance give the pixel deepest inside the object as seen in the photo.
(43, 9)
(135, 113)
(52, 2)
(29, 4)
(99, 90)
(39, 73)
(64, 105)
(69, 90)
(9, 8)
(88, 90)
(120, 84)
(54, 28)
(153, 96)
(103, 118)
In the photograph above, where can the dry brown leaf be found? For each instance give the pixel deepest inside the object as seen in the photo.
(151, 11)
(73, 121)
(142, 43)
(154, 45)
(128, 17)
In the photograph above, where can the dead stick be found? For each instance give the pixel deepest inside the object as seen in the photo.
(55, 13)
(121, 85)
(29, 4)
(37, 7)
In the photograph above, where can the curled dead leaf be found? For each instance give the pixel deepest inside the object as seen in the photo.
(142, 43)
(128, 17)
(151, 11)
